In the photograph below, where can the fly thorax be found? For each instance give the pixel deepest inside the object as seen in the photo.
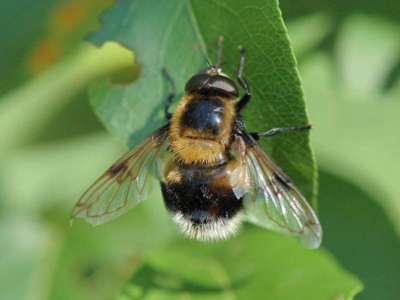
(203, 119)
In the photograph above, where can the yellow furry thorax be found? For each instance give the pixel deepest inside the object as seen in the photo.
(203, 149)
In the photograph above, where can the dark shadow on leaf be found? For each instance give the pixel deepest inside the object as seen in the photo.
(154, 122)
(126, 76)
(360, 235)
(148, 279)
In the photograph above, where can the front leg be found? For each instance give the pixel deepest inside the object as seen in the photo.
(171, 95)
(276, 131)
(243, 83)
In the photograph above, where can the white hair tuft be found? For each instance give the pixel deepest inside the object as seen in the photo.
(217, 229)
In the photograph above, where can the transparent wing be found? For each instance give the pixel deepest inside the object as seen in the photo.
(272, 200)
(124, 184)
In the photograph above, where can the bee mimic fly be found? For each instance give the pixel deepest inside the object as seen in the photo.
(212, 172)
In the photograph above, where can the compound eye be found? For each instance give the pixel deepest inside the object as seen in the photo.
(196, 82)
(224, 85)
(207, 84)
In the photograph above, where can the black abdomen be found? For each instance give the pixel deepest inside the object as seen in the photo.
(202, 200)
(199, 203)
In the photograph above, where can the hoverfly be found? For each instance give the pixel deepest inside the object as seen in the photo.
(212, 172)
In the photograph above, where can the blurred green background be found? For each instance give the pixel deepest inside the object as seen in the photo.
(349, 62)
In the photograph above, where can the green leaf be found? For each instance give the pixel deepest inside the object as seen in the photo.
(360, 235)
(173, 34)
(255, 265)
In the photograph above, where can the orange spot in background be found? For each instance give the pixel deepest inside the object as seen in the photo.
(69, 16)
(64, 23)
(45, 54)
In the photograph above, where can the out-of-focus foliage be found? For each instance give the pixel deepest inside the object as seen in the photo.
(52, 148)
(341, 9)
(47, 31)
(355, 112)
(57, 86)
(360, 235)
(256, 264)
(34, 115)
(350, 101)
(16, 44)
(307, 32)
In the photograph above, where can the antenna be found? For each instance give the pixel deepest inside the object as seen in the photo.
(219, 51)
(207, 59)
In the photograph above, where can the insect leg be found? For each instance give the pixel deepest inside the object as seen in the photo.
(171, 95)
(242, 81)
(275, 131)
